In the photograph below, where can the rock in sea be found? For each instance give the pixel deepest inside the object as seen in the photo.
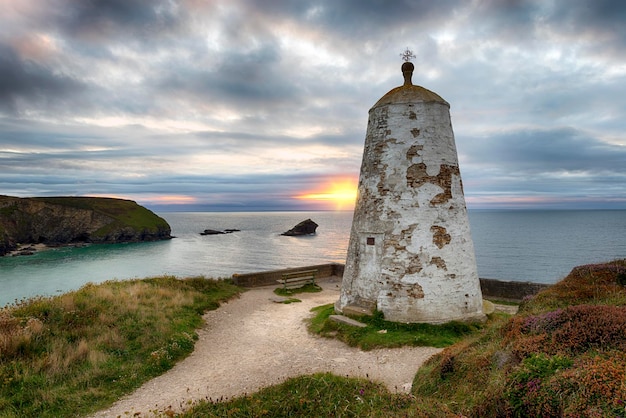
(211, 232)
(215, 232)
(305, 227)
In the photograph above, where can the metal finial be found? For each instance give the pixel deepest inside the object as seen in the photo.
(407, 55)
(407, 67)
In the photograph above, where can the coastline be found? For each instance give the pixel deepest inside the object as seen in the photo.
(510, 246)
(26, 250)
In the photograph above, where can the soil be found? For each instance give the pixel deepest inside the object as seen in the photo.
(252, 342)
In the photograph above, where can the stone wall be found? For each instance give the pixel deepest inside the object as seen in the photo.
(269, 278)
(509, 290)
(491, 288)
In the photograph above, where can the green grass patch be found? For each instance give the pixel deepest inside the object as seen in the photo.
(307, 288)
(384, 334)
(318, 395)
(290, 300)
(76, 353)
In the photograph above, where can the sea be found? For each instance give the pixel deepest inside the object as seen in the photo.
(515, 245)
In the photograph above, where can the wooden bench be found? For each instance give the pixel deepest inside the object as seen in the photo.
(297, 279)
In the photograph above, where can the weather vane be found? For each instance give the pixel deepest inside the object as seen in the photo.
(407, 55)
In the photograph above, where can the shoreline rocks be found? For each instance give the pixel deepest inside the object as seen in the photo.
(216, 232)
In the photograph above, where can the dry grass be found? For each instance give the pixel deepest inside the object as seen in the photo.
(76, 353)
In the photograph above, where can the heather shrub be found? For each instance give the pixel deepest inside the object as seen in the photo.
(588, 284)
(591, 385)
(531, 391)
(597, 383)
(586, 327)
(572, 330)
(562, 355)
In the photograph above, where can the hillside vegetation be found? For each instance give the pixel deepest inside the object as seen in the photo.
(62, 220)
(562, 355)
(74, 354)
(124, 213)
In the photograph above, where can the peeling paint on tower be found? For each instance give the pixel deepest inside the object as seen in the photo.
(411, 254)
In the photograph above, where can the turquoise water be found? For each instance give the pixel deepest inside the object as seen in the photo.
(539, 246)
(258, 246)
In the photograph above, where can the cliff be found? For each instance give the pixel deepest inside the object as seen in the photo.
(64, 220)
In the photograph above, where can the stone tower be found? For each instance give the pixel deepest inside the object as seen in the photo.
(411, 254)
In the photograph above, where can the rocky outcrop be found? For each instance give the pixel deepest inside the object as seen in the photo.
(6, 244)
(215, 232)
(64, 220)
(211, 232)
(305, 227)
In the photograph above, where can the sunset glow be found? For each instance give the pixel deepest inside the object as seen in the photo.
(153, 199)
(174, 199)
(340, 193)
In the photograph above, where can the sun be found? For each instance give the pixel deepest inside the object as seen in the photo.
(341, 193)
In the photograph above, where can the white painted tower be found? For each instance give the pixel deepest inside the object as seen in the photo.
(411, 254)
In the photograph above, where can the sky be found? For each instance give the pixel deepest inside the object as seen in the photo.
(246, 105)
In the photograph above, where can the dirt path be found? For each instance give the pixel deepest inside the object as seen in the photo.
(252, 342)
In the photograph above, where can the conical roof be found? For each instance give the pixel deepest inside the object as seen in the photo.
(409, 93)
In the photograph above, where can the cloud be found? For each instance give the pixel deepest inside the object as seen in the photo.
(552, 150)
(100, 21)
(558, 165)
(27, 81)
(598, 24)
(249, 103)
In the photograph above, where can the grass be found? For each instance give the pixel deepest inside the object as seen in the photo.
(503, 302)
(287, 293)
(318, 395)
(384, 334)
(290, 300)
(79, 352)
(563, 354)
(307, 288)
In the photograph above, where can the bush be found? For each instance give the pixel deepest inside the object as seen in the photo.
(595, 284)
(571, 330)
(563, 354)
(530, 390)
